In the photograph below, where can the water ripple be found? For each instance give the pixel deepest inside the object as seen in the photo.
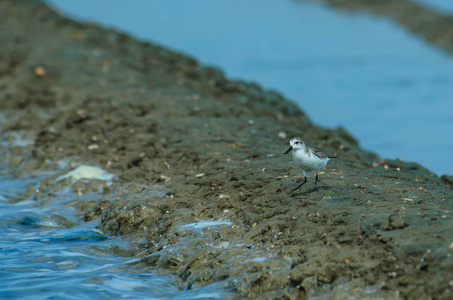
(48, 253)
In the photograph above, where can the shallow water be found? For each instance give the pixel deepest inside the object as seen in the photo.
(387, 87)
(47, 252)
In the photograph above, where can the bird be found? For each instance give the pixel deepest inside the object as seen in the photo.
(308, 159)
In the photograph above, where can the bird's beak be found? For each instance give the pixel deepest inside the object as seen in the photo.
(289, 150)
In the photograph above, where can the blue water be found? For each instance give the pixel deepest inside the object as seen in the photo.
(390, 89)
(47, 252)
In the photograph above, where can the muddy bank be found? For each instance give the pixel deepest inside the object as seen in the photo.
(420, 20)
(201, 182)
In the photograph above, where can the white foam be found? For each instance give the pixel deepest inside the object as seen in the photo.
(65, 263)
(50, 224)
(87, 172)
(123, 285)
(259, 259)
(204, 224)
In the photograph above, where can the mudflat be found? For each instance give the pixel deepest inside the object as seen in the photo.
(201, 183)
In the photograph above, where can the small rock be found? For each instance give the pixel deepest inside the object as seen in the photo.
(39, 71)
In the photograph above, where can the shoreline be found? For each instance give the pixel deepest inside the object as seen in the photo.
(187, 145)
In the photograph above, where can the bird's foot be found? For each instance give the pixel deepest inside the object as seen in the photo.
(297, 188)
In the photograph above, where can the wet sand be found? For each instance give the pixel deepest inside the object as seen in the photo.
(187, 146)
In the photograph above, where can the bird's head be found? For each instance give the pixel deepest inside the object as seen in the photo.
(295, 144)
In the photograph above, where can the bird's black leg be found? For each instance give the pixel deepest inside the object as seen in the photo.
(298, 187)
(316, 181)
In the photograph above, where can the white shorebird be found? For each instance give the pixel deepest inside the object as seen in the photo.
(308, 159)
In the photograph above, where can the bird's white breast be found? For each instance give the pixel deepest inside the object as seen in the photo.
(307, 162)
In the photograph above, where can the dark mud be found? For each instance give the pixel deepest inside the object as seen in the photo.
(189, 147)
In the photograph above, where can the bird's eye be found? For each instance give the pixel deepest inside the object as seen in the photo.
(297, 143)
